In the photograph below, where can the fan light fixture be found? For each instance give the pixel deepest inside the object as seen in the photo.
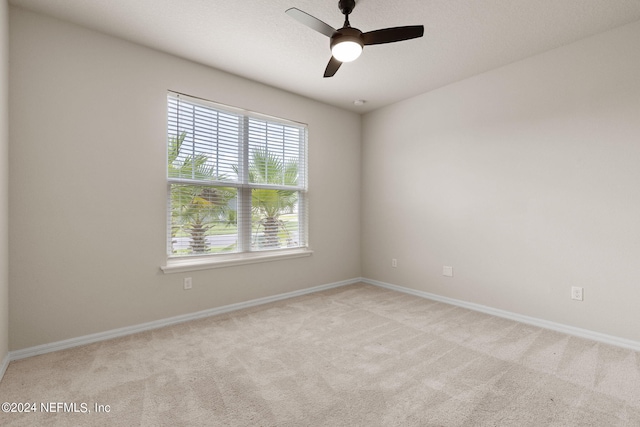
(346, 51)
(347, 42)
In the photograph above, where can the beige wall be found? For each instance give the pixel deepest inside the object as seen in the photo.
(525, 179)
(4, 180)
(88, 191)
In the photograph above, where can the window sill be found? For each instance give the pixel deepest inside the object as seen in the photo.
(228, 260)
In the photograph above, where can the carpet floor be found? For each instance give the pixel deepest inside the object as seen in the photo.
(357, 355)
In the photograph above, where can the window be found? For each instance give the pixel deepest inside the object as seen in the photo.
(236, 180)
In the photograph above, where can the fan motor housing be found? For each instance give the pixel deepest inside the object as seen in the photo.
(346, 34)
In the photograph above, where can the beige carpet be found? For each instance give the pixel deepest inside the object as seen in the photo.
(352, 356)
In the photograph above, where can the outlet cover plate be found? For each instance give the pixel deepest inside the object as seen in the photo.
(576, 293)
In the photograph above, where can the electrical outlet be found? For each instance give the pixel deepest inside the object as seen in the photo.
(188, 283)
(394, 263)
(576, 293)
(447, 271)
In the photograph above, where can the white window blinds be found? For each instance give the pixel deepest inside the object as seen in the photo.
(236, 180)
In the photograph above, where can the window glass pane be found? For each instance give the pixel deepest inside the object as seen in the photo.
(203, 142)
(274, 219)
(203, 219)
(274, 153)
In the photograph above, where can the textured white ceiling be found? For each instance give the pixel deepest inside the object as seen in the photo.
(257, 40)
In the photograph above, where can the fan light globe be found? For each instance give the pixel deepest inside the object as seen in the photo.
(346, 51)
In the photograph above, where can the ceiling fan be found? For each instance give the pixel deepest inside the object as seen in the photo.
(347, 42)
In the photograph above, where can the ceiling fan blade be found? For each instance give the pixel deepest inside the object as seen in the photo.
(332, 67)
(310, 21)
(395, 34)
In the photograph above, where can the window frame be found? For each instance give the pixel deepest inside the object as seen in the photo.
(245, 253)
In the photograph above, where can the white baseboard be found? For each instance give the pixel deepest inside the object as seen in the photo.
(570, 330)
(4, 365)
(116, 333)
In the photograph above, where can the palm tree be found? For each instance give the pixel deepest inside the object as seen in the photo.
(268, 204)
(195, 208)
